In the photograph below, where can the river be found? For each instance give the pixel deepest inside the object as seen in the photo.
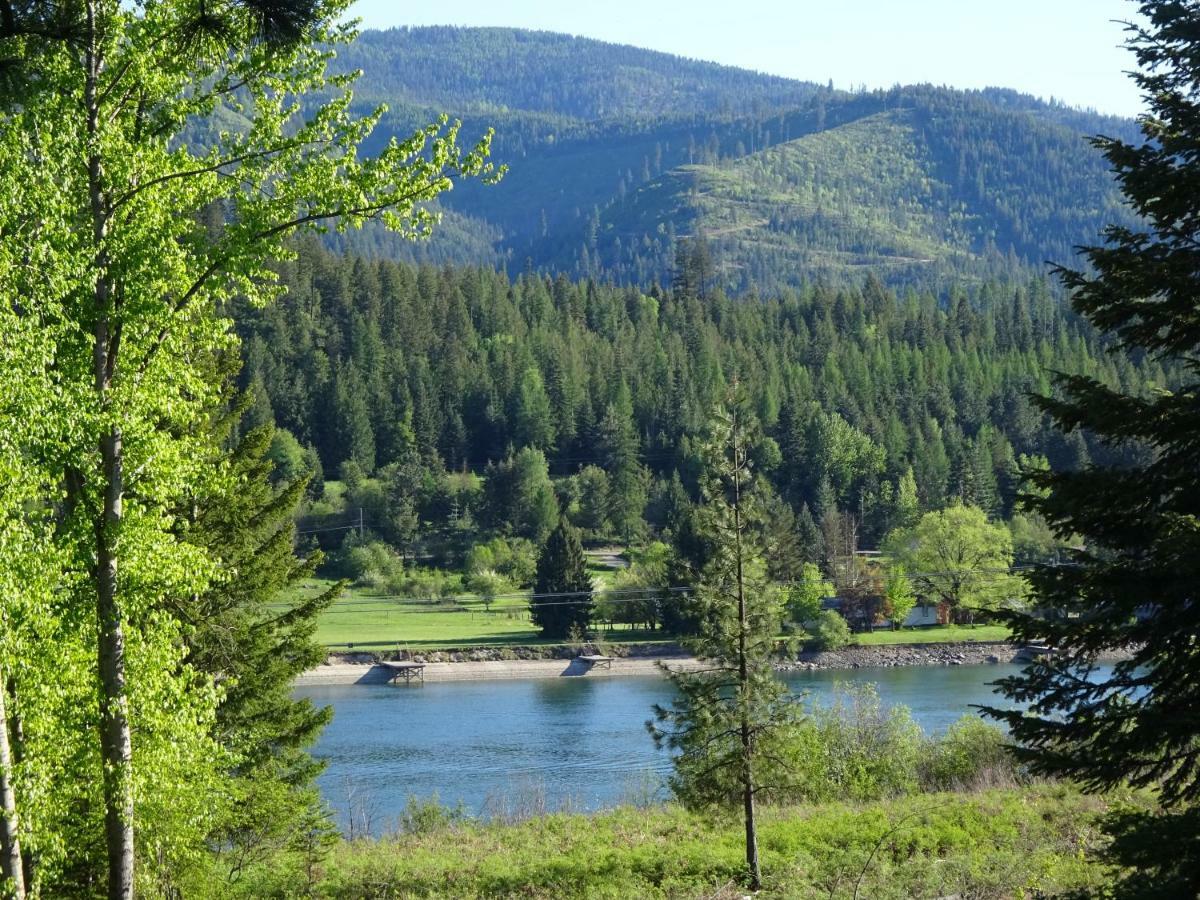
(519, 746)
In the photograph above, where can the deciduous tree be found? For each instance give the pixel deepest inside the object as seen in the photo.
(109, 197)
(958, 558)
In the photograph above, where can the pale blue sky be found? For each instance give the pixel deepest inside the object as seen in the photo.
(1069, 49)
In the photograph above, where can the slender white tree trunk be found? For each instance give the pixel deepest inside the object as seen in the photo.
(11, 867)
(116, 748)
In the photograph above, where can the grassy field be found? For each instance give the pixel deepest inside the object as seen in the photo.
(1003, 843)
(361, 616)
(938, 635)
(364, 618)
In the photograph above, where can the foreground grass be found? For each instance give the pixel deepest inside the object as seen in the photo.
(941, 634)
(995, 844)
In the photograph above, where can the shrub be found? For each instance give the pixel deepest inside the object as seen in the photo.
(513, 558)
(830, 631)
(972, 754)
(859, 749)
(369, 563)
(429, 815)
(430, 585)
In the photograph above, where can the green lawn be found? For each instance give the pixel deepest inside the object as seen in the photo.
(360, 616)
(938, 635)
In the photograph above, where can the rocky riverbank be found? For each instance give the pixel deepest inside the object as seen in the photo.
(482, 663)
(972, 653)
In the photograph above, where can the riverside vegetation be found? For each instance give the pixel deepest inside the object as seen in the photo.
(877, 807)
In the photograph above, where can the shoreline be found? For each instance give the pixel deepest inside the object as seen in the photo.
(341, 671)
(483, 665)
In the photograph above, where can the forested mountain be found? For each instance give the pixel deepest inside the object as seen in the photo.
(499, 69)
(861, 389)
(617, 153)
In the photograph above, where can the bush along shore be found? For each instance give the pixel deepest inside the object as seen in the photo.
(981, 844)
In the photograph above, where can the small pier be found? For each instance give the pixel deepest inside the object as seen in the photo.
(1036, 651)
(597, 662)
(409, 671)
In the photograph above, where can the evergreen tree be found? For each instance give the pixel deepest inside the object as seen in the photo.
(594, 495)
(356, 434)
(810, 540)
(618, 444)
(533, 422)
(1133, 585)
(562, 602)
(239, 633)
(519, 496)
(784, 553)
(727, 717)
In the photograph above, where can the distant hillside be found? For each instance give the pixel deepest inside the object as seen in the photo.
(473, 70)
(934, 183)
(616, 154)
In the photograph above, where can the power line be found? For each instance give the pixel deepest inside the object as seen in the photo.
(353, 527)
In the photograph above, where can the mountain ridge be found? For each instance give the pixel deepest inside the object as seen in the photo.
(1003, 180)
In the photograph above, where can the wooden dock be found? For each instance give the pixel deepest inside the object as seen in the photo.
(597, 662)
(406, 670)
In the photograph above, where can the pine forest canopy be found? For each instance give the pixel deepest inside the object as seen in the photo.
(376, 360)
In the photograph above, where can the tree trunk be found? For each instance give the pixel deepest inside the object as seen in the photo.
(16, 729)
(11, 865)
(752, 864)
(116, 749)
(747, 737)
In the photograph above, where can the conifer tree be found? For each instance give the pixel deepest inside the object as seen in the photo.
(533, 422)
(237, 632)
(618, 445)
(728, 715)
(562, 602)
(1133, 585)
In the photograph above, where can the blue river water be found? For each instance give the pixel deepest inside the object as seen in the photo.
(518, 746)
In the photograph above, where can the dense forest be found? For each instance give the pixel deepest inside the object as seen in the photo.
(617, 153)
(871, 399)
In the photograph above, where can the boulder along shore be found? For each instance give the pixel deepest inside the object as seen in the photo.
(485, 663)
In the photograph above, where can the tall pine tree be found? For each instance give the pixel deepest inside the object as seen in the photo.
(728, 716)
(1133, 586)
